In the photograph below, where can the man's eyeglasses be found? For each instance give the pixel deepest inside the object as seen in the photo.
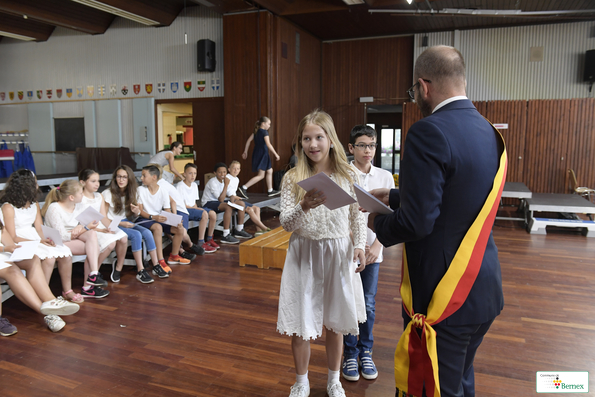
(361, 146)
(411, 92)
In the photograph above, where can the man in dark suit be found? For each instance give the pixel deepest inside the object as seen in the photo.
(450, 161)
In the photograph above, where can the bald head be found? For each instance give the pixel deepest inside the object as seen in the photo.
(445, 67)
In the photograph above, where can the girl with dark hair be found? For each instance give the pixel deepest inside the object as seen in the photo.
(121, 199)
(166, 157)
(59, 213)
(22, 218)
(261, 161)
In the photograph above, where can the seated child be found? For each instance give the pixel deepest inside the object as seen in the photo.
(152, 200)
(252, 210)
(188, 190)
(213, 198)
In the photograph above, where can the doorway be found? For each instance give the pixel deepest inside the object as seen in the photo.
(387, 120)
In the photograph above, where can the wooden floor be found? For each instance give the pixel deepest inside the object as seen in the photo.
(210, 329)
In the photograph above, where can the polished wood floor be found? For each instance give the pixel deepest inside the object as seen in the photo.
(210, 329)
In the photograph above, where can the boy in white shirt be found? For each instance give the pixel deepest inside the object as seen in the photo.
(188, 190)
(362, 144)
(213, 198)
(152, 200)
(251, 209)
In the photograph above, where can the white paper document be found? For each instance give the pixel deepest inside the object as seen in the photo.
(52, 234)
(369, 202)
(4, 265)
(115, 222)
(336, 197)
(25, 251)
(236, 206)
(172, 219)
(89, 215)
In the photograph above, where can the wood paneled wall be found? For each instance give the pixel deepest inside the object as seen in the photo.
(209, 136)
(381, 68)
(261, 81)
(544, 139)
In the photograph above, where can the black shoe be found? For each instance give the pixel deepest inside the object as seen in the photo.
(187, 255)
(159, 272)
(273, 193)
(115, 275)
(198, 250)
(94, 292)
(144, 277)
(242, 193)
(96, 280)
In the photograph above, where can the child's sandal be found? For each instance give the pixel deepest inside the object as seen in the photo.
(76, 298)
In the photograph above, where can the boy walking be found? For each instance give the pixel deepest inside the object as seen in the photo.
(362, 144)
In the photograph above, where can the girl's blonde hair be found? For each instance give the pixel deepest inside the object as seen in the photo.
(259, 122)
(67, 188)
(305, 168)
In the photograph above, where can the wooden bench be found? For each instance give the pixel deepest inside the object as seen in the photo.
(267, 250)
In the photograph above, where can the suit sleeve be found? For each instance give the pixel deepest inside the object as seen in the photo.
(423, 175)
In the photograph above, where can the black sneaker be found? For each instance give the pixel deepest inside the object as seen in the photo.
(159, 272)
(187, 255)
(242, 193)
(115, 275)
(144, 277)
(96, 280)
(198, 250)
(94, 292)
(229, 239)
(273, 193)
(242, 234)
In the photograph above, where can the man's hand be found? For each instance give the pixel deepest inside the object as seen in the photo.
(381, 194)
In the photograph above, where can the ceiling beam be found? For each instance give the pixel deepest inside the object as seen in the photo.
(64, 13)
(163, 12)
(283, 7)
(25, 27)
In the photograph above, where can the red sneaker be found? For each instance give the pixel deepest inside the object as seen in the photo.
(164, 266)
(209, 249)
(213, 244)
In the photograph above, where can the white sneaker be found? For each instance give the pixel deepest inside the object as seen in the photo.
(54, 322)
(59, 306)
(335, 390)
(300, 390)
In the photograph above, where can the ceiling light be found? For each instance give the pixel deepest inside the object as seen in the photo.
(17, 36)
(117, 11)
(409, 1)
(353, 2)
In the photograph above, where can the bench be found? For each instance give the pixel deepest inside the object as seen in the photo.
(267, 250)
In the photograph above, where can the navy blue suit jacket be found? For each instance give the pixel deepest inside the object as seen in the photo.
(449, 162)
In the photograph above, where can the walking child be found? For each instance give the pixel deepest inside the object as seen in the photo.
(320, 286)
(362, 144)
(59, 213)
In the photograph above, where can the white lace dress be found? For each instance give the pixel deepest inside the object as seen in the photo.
(24, 220)
(319, 286)
(104, 239)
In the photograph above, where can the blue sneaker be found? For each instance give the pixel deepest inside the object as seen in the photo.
(350, 370)
(369, 370)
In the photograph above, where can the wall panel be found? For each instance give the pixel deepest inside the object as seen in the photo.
(581, 145)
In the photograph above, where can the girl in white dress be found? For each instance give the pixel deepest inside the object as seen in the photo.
(107, 239)
(32, 291)
(58, 212)
(22, 219)
(320, 286)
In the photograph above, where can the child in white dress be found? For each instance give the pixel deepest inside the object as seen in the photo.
(58, 212)
(320, 285)
(22, 218)
(107, 239)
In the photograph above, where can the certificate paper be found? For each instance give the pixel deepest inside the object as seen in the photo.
(172, 219)
(336, 197)
(25, 251)
(369, 202)
(236, 206)
(52, 234)
(115, 222)
(89, 215)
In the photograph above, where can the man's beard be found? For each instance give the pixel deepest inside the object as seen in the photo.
(424, 106)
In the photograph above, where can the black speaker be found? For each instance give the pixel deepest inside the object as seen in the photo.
(590, 65)
(206, 55)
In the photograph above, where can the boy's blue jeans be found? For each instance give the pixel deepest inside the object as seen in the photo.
(354, 345)
(136, 236)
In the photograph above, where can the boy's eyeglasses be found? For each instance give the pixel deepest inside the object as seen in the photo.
(361, 146)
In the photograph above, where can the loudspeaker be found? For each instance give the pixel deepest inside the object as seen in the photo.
(206, 55)
(590, 65)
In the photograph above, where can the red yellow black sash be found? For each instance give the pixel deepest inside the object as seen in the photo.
(416, 358)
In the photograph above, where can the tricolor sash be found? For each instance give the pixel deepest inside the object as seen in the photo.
(416, 358)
